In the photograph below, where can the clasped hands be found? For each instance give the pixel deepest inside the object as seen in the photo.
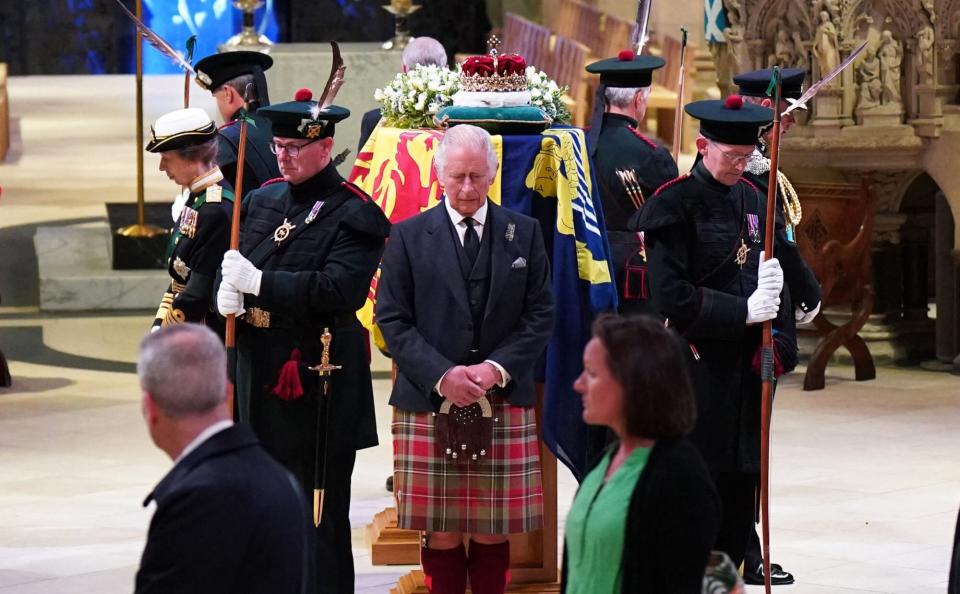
(466, 384)
(239, 276)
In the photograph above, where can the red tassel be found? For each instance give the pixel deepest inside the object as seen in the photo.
(288, 382)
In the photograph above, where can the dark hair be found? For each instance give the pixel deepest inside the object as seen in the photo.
(649, 363)
(239, 84)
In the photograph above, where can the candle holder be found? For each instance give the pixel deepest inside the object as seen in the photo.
(247, 38)
(400, 9)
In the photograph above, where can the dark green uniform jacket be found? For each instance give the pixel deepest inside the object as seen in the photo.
(693, 228)
(622, 148)
(197, 244)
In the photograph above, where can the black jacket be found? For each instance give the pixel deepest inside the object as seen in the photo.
(229, 519)
(422, 306)
(693, 228)
(672, 523)
(261, 164)
(621, 147)
(316, 278)
(367, 124)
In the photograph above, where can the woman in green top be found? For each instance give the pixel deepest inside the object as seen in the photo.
(646, 516)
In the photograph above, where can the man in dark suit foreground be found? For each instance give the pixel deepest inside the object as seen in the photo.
(465, 307)
(229, 518)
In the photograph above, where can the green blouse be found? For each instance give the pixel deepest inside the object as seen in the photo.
(596, 526)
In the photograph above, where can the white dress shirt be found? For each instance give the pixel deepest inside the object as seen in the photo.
(479, 220)
(204, 436)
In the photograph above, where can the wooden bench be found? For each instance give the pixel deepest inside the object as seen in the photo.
(835, 238)
(4, 114)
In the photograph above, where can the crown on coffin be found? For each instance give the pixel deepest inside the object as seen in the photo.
(494, 73)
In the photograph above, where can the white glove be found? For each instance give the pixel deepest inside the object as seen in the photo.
(239, 272)
(770, 276)
(179, 201)
(229, 300)
(762, 306)
(805, 317)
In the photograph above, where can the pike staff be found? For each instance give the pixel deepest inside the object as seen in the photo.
(230, 337)
(767, 355)
(681, 83)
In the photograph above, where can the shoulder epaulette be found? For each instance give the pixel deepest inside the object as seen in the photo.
(214, 194)
(671, 182)
(353, 188)
(271, 181)
(637, 133)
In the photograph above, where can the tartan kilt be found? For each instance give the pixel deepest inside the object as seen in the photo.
(501, 494)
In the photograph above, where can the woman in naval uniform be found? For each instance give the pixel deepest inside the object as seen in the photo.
(187, 142)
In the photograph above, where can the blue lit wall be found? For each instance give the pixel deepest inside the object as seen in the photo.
(212, 21)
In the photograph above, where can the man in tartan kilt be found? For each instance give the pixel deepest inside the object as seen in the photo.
(465, 308)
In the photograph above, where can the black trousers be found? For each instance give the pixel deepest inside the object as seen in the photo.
(738, 496)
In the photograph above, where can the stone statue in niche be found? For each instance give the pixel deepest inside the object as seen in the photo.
(795, 25)
(868, 75)
(923, 61)
(826, 44)
(736, 42)
(891, 56)
(783, 52)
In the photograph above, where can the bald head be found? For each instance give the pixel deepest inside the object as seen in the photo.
(425, 51)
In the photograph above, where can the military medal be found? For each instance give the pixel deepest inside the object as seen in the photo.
(181, 268)
(742, 252)
(753, 226)
(314, 212)
(188, 222)
(283, 231)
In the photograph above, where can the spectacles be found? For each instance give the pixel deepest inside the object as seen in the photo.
(734, 158)
(292, 149)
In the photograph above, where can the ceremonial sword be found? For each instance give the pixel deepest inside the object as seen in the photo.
(323, 420)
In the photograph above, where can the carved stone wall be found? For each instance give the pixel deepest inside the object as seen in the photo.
(895, 112)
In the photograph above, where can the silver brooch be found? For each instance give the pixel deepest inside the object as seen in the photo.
(181, 268)
(511, 228)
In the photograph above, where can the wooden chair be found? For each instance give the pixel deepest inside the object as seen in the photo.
(588, 28)
(4, 114)
(835, 238)
(616, 36)
(530, 40)
(566, 66)
(560, 16)
(4, 372)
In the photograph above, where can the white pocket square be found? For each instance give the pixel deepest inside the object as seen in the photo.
(519, 263)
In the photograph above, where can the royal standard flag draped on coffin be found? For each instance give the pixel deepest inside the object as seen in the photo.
(549, 177)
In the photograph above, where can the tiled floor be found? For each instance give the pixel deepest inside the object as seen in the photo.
(866, 482)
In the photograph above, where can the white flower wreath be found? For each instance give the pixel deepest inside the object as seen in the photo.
(412, 99)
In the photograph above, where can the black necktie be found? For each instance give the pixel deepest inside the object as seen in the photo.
(471, 241)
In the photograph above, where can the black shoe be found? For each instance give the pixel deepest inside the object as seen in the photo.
(778, 577)
(390, 489)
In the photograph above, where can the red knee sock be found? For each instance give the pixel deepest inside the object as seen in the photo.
(489, 567)
(445, 570)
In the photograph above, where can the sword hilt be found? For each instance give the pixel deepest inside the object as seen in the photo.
(325, 367)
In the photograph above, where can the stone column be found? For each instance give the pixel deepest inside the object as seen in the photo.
(947, 274)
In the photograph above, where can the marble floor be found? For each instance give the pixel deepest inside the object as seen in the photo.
(866, 483)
